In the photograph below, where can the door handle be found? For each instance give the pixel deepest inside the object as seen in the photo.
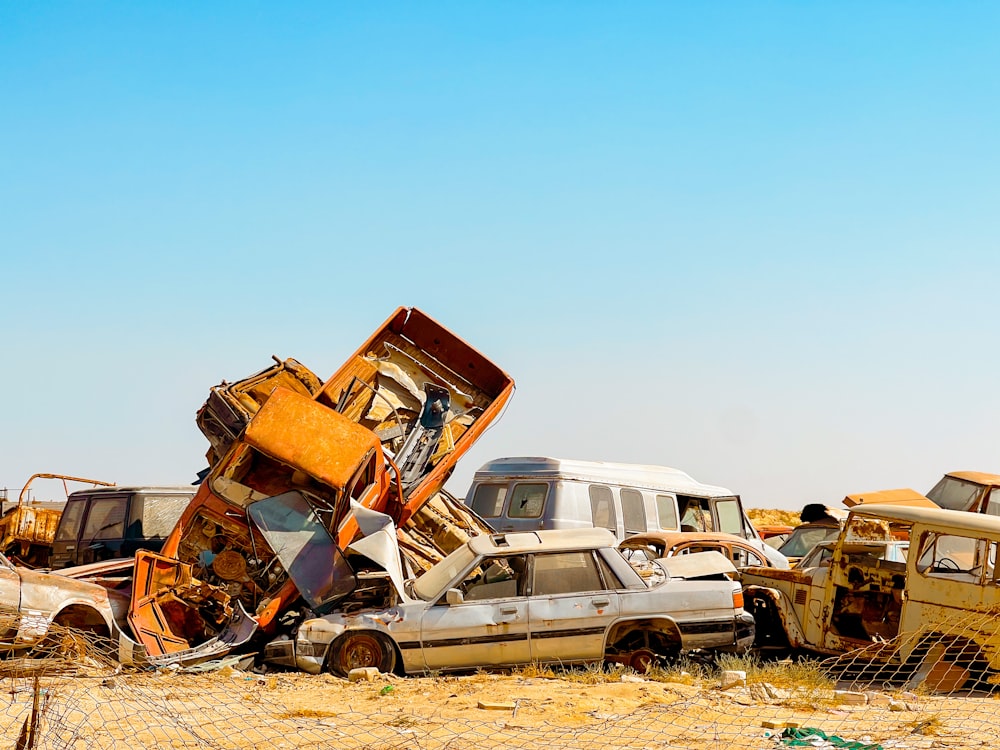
(508, 610)
(600, 602)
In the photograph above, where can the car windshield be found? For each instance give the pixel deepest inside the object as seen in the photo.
(804, 538)
(430, 585)
(305, 548)
(955, 494)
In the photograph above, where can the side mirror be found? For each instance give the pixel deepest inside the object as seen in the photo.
(454, 596)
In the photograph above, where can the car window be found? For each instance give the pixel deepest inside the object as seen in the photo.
(954, 557)
(106, 519)
(602, 508)
(565, 573)
(743, 557)
(993, 504)
(154, 516)
(666, 511)
(730, 516)
(488, 499)
(804, 538)
(527, 500)
(633, 512)
(495, 578)
(69, 523)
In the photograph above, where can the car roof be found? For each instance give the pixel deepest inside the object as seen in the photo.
(911, 514)
(670, 538)
(188, 489)
(978, 477)
(605, 472)
(541, 541)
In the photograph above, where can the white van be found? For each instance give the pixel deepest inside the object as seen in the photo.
(535, 492)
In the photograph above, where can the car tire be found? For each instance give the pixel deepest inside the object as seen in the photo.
(361, 648)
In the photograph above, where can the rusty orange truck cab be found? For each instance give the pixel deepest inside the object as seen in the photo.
(385, 431)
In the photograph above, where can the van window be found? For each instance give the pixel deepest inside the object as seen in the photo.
(666, 512)
(633, 514)
(993, 504)
(954, 557)
(69, 523)
(488, 499)
(527, 500)
(730, 516)
(602, 508)
(106, 519)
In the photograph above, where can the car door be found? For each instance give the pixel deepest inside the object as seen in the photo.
(573, 600)
(486, 626)
(10, 601)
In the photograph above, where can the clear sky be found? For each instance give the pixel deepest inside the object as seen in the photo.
(757, 241)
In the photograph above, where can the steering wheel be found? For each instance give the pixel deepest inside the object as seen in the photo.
(946, 563)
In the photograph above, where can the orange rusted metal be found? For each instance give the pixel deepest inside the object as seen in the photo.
(385, 430)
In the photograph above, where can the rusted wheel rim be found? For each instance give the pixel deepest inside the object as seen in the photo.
(362, 651)
(642, 660)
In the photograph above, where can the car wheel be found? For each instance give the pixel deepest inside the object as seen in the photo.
(642, 660)
(359, 649)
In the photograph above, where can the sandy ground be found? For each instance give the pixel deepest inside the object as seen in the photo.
(233, 709)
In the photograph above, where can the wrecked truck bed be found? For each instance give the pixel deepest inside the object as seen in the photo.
(385, 431)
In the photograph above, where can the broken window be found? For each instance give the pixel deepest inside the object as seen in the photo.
(527, 500)
(495, 578)
(954, 557)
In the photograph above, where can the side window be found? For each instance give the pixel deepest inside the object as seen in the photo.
(730, 517)
(954, 557)
(154, 516)
(69, 524)
(565, 573)
(364, 478)
(666, 510)
(106, 519)
(743, 557)
(527, 500)
(993, 503)
(495, 578)
(602, 508)
(488, 499)
(633, 513)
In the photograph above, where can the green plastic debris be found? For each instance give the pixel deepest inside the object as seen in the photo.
(386, 690)
(807, 736)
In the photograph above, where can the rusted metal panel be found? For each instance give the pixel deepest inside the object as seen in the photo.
(903, 496)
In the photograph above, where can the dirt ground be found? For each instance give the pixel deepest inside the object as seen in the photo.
(234, 709)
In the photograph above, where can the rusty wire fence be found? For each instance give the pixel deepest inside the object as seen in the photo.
(917, 691)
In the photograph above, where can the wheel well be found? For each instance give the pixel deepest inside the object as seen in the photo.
(84, 618)
(666, 630)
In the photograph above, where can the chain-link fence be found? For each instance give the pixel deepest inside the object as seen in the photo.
(913, 693)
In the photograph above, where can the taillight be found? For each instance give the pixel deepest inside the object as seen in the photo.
(738, 599)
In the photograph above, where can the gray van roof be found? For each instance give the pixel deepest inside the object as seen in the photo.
(605, 472)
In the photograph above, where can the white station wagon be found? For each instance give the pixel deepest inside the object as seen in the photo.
(561, 596)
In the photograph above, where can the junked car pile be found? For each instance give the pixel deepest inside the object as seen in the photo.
(321, 538)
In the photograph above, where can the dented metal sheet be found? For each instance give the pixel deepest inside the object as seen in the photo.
(333, 448)
(698, 564)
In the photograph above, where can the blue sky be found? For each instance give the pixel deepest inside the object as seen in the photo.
(755, 241)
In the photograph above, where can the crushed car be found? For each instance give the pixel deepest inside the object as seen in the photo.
(32, 601)
(653, 545)
(288, 451)
(862, 596)
(501, 600)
